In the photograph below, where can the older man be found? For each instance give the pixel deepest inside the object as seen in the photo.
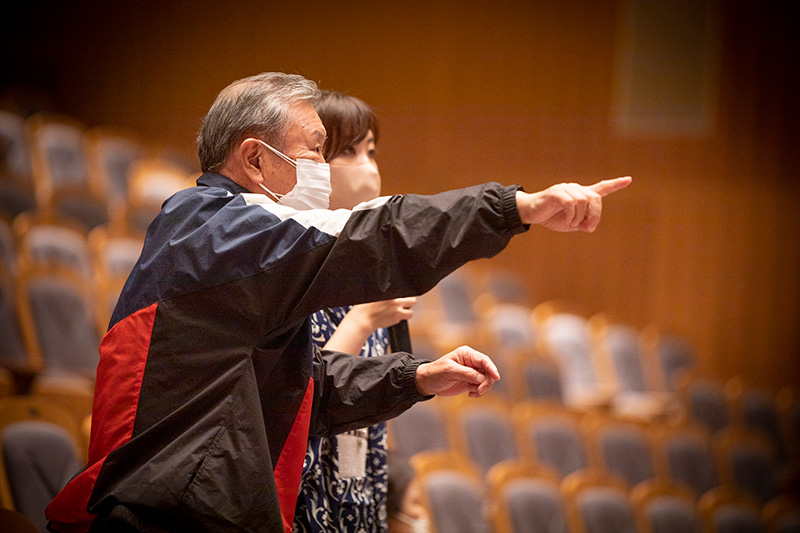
(208, 384)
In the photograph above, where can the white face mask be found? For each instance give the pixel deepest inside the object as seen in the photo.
(313, 187)
(417, 525)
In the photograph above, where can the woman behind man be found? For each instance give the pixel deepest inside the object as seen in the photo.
(344, 483)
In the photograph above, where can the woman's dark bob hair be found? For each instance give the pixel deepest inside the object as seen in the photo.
(347, 121)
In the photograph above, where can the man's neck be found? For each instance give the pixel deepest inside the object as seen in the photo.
(239, 178)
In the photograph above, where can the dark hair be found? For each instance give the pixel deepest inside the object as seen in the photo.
(347, 121)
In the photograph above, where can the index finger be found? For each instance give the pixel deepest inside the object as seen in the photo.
(606, 187)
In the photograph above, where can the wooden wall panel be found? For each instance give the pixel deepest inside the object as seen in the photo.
(705, 242)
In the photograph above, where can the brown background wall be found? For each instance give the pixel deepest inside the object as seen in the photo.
(706, 241)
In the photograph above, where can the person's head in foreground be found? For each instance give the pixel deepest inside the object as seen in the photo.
(404, 505)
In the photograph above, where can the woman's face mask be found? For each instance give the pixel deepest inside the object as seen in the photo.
(313, 187)
(354, 175)
(354, 183)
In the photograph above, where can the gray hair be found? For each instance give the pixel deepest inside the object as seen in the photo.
(258, 106)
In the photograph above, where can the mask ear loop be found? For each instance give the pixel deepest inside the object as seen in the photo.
(275, 197)
(286, 158)
(280, 154)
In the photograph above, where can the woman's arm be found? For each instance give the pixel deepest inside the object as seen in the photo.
(359, 323)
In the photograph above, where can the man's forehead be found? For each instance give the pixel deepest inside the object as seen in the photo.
(305, 117)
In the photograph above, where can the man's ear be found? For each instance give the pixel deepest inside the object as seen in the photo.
(250, 157)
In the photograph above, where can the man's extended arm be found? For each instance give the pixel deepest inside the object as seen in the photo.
(354, 392)
(405, 246)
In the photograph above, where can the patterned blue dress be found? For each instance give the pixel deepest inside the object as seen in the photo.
(344, 481)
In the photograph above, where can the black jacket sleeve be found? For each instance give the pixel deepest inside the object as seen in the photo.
(352, 392)
(405, 246)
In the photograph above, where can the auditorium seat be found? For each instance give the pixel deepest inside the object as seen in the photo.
(19, 408)
(46, 239)
(663, 507)
(420, 428)
(40, 458)
(551, 434)
(54, 303)
(621, 447)
(757, 409)
(672, 353)
(453, 492)
(534, 376)
(748, 460)
(482, 430)
(446, 314)
(684, 454)
(729, 509)
(564, 336)
(111, 153)
(13, 355)
(597, 502)
(457, 296)
(56, 312)
(525, 498)
(60, 169)
(114, 252)
(703, 399)
(505, 327)
(151, 181)
(17, 192)
(637, 389)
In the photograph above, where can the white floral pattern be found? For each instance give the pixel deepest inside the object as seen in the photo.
(328, 501)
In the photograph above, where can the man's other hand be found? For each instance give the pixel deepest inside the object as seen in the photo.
(462, 370)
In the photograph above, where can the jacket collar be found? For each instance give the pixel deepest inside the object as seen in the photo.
(212, 179)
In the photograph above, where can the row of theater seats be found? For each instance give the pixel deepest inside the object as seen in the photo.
(490, 442)
(491, 430)
(58, 286)
(596, 426)
(486, 465)
(555, 350)
(74, 204)
(582, 359)
(51, 162)
(520, 496)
